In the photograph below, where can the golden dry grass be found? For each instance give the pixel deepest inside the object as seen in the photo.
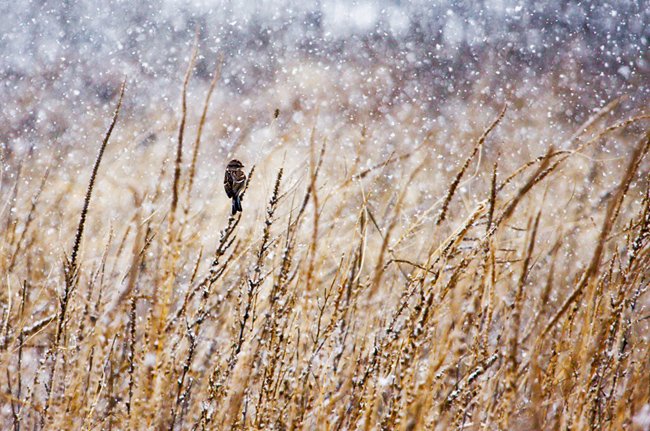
(377, 279)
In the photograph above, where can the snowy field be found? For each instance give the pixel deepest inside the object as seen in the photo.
(446, 222)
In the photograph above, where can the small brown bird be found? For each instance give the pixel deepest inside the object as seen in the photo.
(234, 183)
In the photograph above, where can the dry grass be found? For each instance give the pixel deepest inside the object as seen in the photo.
(365, 286)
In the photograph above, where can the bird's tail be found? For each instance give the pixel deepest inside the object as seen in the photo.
(236, 205)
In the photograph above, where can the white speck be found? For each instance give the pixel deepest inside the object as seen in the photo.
(642, 419)
(149, 360)
(624, 71)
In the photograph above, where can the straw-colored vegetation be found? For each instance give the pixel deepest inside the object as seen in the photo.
(378, 277)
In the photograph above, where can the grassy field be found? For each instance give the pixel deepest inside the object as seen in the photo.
(490, 271)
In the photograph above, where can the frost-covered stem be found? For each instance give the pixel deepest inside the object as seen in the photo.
(71, 267)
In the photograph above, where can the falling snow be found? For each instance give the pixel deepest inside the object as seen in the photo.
(446, 221)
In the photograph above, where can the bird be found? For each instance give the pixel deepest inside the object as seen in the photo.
(234, 183)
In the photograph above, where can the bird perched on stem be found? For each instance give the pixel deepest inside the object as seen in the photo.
(234, 183)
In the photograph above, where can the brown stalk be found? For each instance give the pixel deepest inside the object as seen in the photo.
(477, 146)
(199, 133)
(612, 211)
(512, 359)
(313, 191)
(71, 266)
(181, 132)
(29, 220)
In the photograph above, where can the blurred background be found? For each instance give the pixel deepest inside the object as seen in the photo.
(61, 59)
